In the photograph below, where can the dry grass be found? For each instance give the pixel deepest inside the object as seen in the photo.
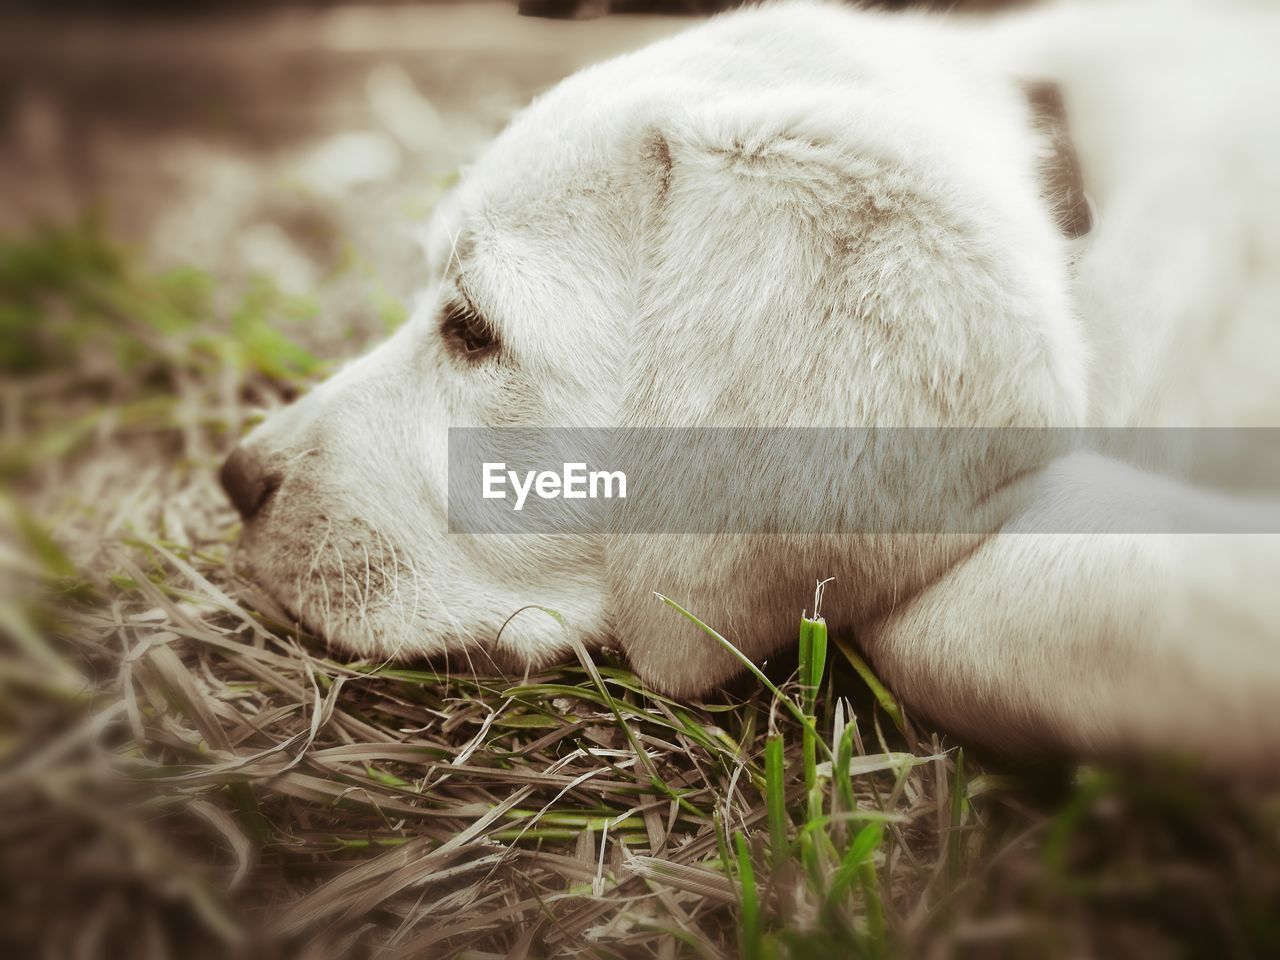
(185, 774)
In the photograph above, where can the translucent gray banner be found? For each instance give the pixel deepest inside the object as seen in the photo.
(863, 481)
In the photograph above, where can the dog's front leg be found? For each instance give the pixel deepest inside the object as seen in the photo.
(1107, 641)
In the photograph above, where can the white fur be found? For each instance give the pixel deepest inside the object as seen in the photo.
(800, 215)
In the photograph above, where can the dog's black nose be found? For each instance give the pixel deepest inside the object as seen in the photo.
(249, 484)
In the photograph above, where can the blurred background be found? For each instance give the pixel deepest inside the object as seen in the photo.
(203, 208)
(274, 138)
(242, 135)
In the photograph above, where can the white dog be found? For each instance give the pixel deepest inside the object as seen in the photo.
(802, 214)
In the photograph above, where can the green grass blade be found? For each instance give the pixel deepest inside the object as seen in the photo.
(776, 799)
(873, 904)
(841, 764)
(959, 813)
(887, 701)
(749, 929)
(813, 660)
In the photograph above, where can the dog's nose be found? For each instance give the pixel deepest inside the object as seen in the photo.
(247, 481)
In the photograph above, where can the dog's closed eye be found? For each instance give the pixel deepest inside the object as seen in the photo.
(465, 329)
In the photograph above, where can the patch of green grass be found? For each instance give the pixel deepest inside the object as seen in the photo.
(66, 290)
(91, 340)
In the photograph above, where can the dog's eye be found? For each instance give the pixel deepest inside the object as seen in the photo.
(465, 328)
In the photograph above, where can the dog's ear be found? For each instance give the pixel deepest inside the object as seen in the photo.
(729, 212)
(1061, 176)
(798, 265)
(801, 270)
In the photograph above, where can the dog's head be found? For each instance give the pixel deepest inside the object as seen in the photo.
(791, 216)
